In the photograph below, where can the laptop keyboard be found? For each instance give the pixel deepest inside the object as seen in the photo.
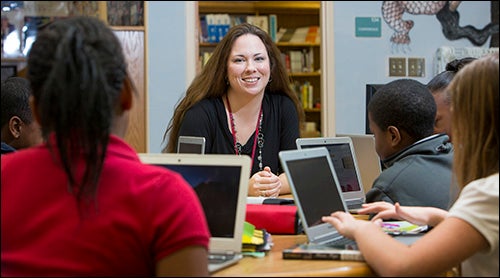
(342, 242)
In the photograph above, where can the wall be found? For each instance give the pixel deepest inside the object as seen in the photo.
(357, 60)
(167, 66)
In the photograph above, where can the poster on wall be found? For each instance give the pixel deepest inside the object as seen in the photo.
(445, 11)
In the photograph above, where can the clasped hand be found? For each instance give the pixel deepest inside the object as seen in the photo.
(264, 183)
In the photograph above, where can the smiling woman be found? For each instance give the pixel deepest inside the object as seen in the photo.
(241, 102)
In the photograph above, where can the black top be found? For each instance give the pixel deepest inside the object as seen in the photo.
(280, 128)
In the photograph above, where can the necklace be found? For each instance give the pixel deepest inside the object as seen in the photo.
(258, 138)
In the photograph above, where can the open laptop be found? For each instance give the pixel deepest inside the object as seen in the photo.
(191, 144)
(368, 160)
(221, 182)
(316, 191)
(345, 163)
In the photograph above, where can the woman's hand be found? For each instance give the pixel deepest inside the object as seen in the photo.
(264, 183)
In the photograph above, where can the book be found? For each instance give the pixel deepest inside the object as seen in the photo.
(203, 29)
(211, 28)
(311, 251)
(260, 21)
(313, 35)
(300, 34)
(296, 60)
(273, 27)
(285, 34)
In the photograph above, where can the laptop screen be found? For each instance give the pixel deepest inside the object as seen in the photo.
(217, 188)
(315, 184)
(344, 165)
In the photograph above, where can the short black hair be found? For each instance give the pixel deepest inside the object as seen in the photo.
(15, 99)
(406, 104)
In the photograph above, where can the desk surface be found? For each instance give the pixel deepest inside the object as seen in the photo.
(273, 264)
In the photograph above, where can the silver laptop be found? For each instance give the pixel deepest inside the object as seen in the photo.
(316, 191)
(221, 182)
(191, 144)
(345, 163)
(368, 160)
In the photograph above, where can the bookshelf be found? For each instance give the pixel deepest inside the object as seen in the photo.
(289, 15)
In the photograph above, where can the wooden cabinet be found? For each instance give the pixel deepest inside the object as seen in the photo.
(289, 15)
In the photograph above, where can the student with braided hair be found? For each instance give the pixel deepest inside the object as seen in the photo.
(88, 206)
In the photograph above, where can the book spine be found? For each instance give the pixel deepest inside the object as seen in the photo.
(273, 27)
(212, 28)
(341, 256)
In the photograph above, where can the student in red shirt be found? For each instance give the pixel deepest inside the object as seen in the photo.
(83, 204)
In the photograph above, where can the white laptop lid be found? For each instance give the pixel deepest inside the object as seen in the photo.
(191, 144)
(367, 157)
(221, 182)
(342, 154)
(316, 190)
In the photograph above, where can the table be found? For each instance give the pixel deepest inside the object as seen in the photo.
(273, 264)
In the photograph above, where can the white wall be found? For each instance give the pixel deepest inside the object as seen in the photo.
(167, 67)
(357, 61)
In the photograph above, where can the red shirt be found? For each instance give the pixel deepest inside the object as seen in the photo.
(142, 214)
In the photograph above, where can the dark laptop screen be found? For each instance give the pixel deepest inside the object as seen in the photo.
(217, 188)
(315, 184)
(344, 165)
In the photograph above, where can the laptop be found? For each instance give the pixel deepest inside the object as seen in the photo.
(368, 160)
(316, 191)
(344, 161)
(191, 144)
(221, 182)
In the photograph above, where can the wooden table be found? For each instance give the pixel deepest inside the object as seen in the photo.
(273, 264)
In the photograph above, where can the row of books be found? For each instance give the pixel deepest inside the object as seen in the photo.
(308, 34)
(295, 61)
(298, 60)
(305, 92)
(213, 27)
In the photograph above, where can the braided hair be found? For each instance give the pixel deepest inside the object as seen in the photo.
(77, 69)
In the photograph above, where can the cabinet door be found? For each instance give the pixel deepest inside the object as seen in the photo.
(133, 47)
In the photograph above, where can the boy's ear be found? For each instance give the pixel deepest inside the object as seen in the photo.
(15, 125)
(394, 134)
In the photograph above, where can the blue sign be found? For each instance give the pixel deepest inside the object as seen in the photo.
(368, 27)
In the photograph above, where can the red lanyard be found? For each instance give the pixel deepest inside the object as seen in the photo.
(233, 130)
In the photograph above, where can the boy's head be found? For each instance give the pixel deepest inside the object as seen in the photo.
(400, 113)
(19, 128)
